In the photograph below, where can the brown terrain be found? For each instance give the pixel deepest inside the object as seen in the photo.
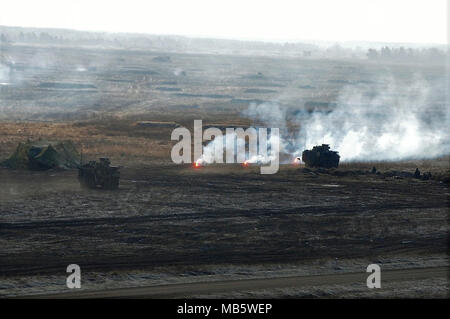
(175, 224)
(184, 219)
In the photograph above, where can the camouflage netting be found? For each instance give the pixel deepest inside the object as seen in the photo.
(321, 156)
(43, 155)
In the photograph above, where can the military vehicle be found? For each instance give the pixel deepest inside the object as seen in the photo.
(99, 175)
(321, 156)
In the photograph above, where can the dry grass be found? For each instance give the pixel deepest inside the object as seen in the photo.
(129, 144)
(122, 144)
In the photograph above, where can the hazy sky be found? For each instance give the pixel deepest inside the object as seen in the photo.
(419, 21)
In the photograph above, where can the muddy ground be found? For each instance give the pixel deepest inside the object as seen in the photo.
(178, 216)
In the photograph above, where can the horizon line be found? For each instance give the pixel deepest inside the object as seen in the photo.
(211, 37)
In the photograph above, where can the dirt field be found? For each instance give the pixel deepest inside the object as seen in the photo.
(180, 216)
(175, 224)
(251, 285)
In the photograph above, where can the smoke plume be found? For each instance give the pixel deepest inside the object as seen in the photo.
(387, 121)
(231, 143)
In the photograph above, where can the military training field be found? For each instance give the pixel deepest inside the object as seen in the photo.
(215, 231)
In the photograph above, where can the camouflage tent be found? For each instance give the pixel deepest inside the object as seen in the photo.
(43, 155)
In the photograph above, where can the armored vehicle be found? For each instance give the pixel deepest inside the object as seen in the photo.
(99, 175)
(321, 156)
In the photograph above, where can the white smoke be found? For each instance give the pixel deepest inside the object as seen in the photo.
(385, 122)
(178, 72)
(218, 146)
(4, 74)
(231, 143)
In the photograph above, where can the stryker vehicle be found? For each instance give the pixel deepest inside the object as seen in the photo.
(99, 175)
(321, 156)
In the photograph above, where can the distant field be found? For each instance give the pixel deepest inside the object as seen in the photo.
(67, 83)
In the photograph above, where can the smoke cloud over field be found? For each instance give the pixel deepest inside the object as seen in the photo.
(234, 144)
(389, 121)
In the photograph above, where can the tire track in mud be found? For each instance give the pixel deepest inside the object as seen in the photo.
(208, 214)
